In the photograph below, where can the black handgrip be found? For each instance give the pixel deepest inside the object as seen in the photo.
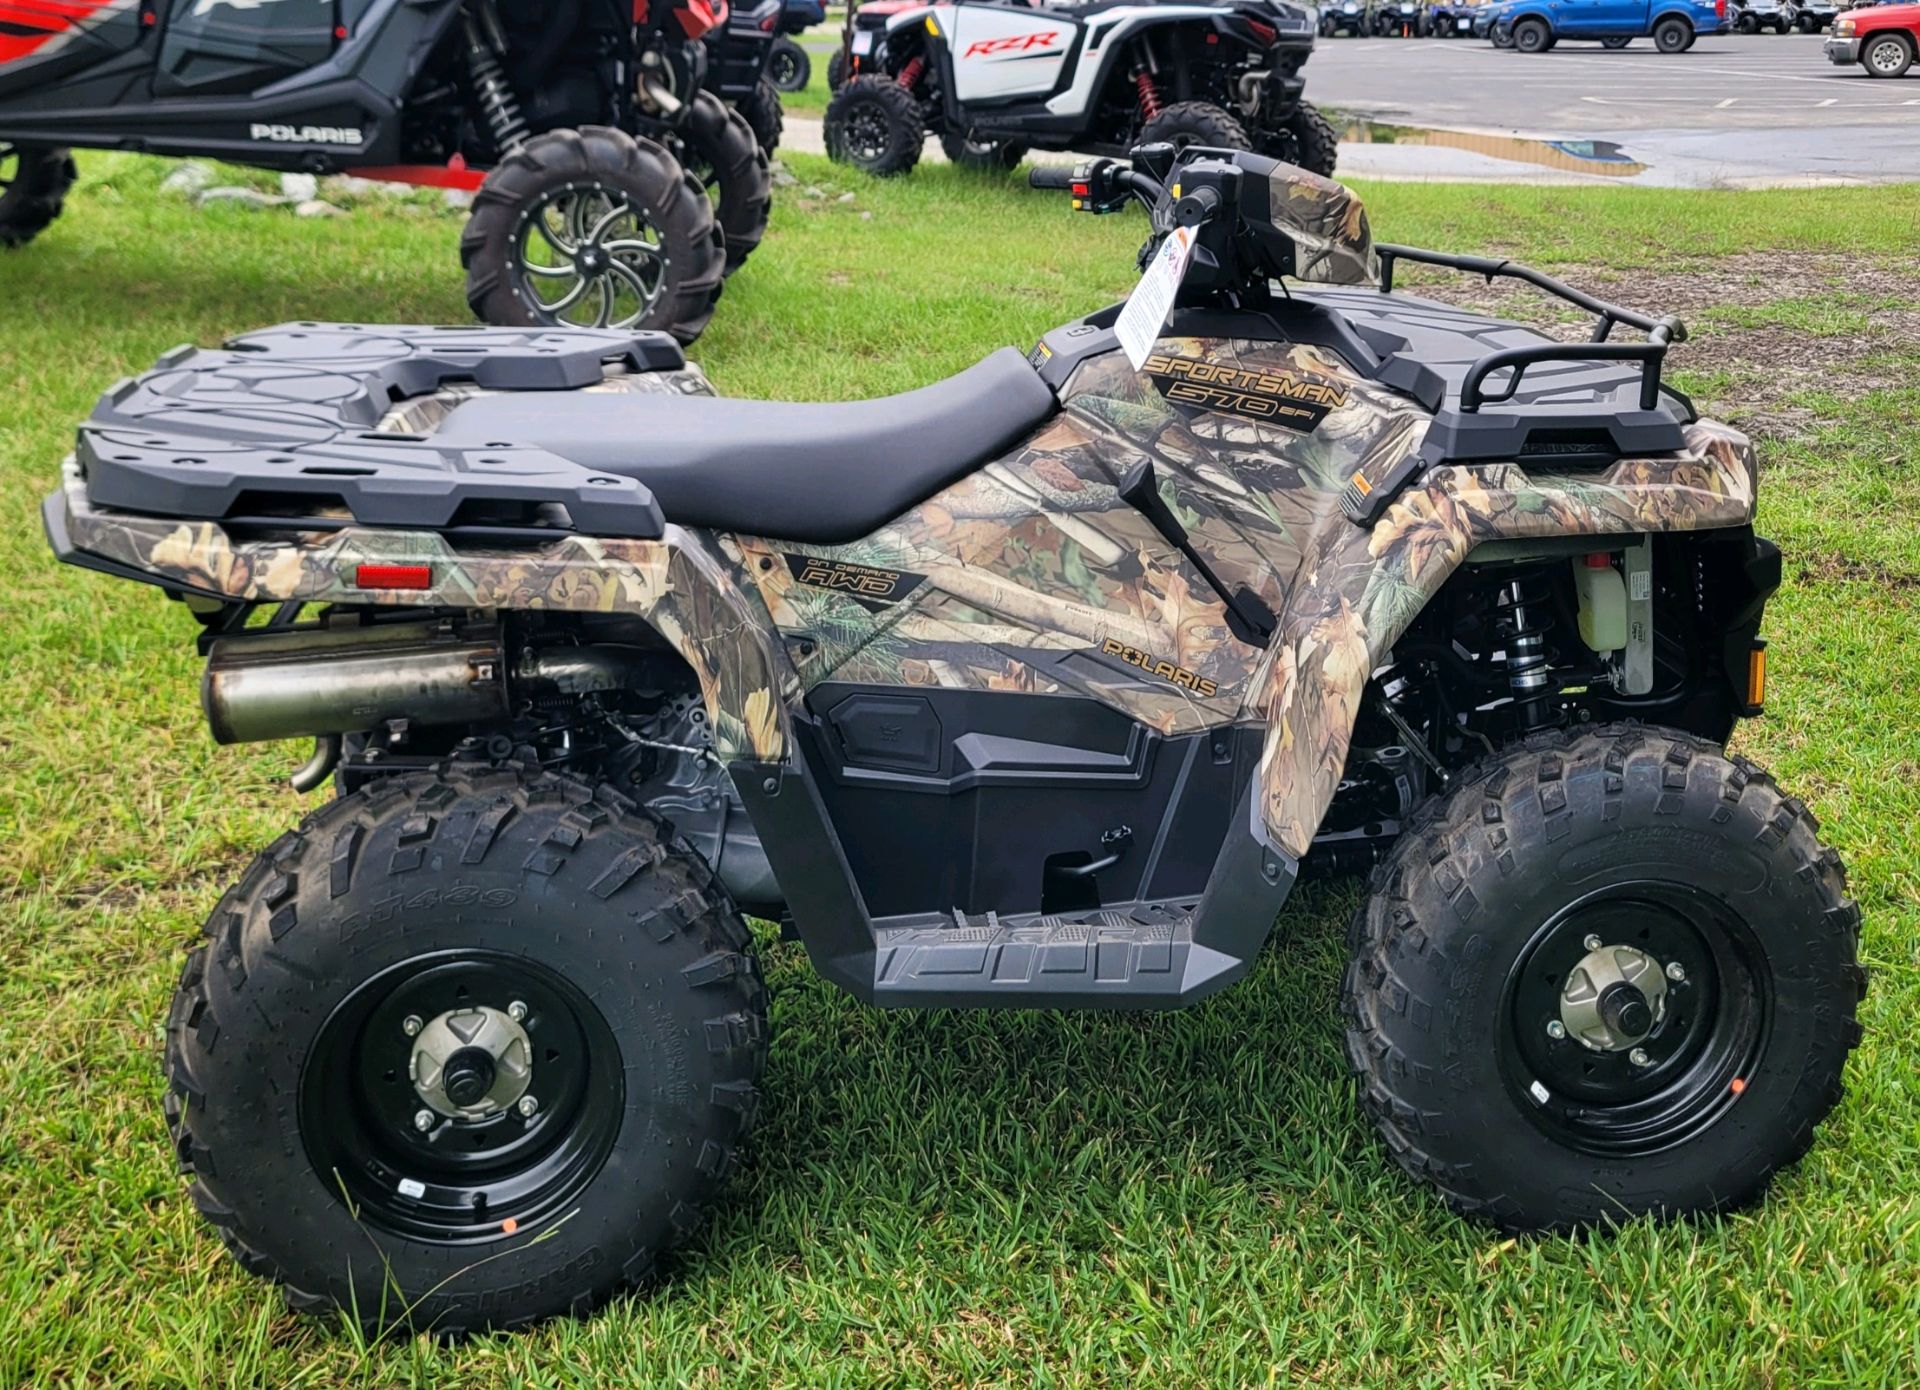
(1050, 176)
(1196, 207)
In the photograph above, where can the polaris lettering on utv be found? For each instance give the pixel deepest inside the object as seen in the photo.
(993, 81)
(1035, 687)
(558, 117)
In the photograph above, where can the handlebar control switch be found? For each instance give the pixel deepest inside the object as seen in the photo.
(1098, 186)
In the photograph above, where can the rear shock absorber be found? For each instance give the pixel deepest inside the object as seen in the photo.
(910, 74)
(1523, 632)
(497, 101)
(1149, 94)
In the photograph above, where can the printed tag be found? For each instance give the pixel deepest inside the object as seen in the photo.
(1147, 307)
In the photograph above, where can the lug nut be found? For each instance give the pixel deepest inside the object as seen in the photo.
(517, 1011)
(1556, 1029)
(1676, 971)
(1639, 1057)
(527, 1107)
(412, 1026)
(423, 1120)
(1592, 943)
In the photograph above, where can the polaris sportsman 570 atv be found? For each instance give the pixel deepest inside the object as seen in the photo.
(587, 216)
(993, 81)
(1035, 687)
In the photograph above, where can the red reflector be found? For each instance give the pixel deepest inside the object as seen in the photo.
(393, 577)
(340, 31)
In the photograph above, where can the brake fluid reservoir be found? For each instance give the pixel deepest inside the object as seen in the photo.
(1603, 602)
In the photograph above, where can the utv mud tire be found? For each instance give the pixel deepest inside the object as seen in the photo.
(1308, 141)
(33, 189)
(1195, 123)
(1887, 55)
(837, 70)
(789, 66)
(1672, 36)
(544, 181)
(615, 967)
(720, 151)
(1531, 36)
(764, 115)
(874, 124)
(1481, 923)
(988, 156)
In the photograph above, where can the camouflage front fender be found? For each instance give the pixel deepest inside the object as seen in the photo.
(1359, 589)
(675, 584)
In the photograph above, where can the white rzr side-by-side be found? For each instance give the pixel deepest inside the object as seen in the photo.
(993, 81)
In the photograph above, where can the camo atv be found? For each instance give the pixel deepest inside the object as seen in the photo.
(1036, 687)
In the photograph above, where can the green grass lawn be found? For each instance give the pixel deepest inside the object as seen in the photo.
(965, 1199)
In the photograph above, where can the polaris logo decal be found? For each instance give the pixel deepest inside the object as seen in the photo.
(1165, 670)
(1012, 46)
(306, 134)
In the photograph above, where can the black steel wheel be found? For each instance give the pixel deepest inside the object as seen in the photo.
(469, 1048)
(593, 228)
(1532, 36)
(1604, 976)
(789, 66)
(1672, 36)
(33, 191)
(874, 124)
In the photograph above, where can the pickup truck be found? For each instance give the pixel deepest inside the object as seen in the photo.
(1880, 38)
(1534, 26)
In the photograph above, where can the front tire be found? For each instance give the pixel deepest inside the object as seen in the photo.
(789, 67)
(1606, 976)
(717, 147)
(1887, 55)
(33, 191)
(591, 1019)
(874, 124)
(593, 228)
(1531, 36)
(764, 115)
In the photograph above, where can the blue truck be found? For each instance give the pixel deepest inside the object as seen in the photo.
(1534, 26)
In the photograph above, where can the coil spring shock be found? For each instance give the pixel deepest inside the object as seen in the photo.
(1149, 94)
(497, 101)
(910, 74)
(1523, 633)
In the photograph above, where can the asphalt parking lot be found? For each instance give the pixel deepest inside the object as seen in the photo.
(1738, 109)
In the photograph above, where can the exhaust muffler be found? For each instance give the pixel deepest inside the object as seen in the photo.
(346, 680)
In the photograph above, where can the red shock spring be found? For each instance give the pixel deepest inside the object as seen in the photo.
(910, 74)
(1149, 95)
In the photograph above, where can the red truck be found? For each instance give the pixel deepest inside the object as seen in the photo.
(1880, 38)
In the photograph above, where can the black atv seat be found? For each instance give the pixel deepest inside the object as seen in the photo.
(823, 473)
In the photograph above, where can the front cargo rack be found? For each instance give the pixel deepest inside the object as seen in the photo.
(292, 428)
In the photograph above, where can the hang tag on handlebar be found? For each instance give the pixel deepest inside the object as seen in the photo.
(1146, 309)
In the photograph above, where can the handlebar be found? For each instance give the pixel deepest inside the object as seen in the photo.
(1050, 176)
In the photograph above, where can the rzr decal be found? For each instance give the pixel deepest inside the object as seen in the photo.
(1013, 45)
(42, 26)
(1166, 670)
(1218, 388)
(864, 582)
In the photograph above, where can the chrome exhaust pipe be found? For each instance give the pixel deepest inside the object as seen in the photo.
(351, 679)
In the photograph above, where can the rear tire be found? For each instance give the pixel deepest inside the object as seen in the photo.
(764, 115)
(618, 991)
(1531, 36)
(789, 66)
(33, 191)
(1615, 43)
(1307, 140)
(1195, 123)
(1672, 36)
(513, 241)
(1887, 55)
(874, 124)
(1563, 879)
(988, 156)
(718, 148)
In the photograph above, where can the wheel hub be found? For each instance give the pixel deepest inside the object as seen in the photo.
(1614, 997)
(471, 1063)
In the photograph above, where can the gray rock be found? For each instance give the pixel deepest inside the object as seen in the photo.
(844, 198)
(313, 207)
(244, 197)
(188, 179)
(302, 188)
(781, 178)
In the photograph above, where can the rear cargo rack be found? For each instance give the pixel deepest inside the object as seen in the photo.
(1650, 355)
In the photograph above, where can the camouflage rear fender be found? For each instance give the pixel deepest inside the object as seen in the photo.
(1358, 589)
(679, 587)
